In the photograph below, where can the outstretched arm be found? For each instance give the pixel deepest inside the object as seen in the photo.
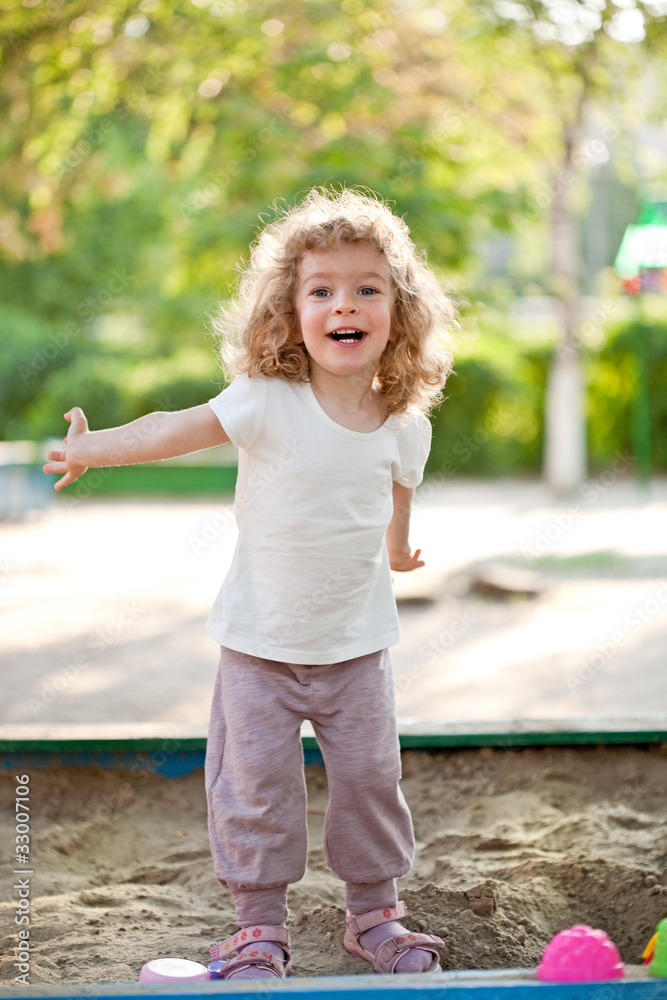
(401, 557)
(148, 439)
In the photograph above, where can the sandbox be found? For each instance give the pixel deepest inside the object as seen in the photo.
(519, 836)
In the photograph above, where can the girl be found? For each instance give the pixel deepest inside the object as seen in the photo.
(333, 344)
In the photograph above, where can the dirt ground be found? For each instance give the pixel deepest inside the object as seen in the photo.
(513, 846)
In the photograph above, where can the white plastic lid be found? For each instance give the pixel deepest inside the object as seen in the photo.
(172, 970)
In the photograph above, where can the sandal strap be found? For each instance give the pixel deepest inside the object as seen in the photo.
(256, 959)
(252, 935)
(364, 922)
(389, 952)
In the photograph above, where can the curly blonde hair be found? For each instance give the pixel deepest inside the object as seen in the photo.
(256, 327)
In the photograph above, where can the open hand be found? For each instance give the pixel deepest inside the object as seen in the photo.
(65, 463)
(404, 561)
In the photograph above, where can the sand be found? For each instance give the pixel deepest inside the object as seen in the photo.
(513, 845)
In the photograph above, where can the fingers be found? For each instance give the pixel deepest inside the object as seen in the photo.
(407, 564)
(54, 467)
(77, 419)
(415, 562)
(65, 481)
(57, 468)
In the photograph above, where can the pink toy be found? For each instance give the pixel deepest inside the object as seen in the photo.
(172, 970)
(580, 955)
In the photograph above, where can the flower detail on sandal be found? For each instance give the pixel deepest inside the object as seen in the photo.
(265, 960)
(389, 952)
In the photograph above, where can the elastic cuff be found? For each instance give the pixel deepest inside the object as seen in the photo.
(261, 906)
(362, 897)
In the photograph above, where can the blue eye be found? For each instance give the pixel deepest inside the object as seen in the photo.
(368, 289)
(320, 292)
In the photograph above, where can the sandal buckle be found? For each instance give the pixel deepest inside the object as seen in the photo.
(392, 947)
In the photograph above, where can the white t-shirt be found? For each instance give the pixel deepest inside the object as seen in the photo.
(310, 580)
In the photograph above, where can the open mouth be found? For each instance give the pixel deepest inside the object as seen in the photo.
(346, 336)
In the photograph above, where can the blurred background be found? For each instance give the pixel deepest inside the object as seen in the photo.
(525, 143)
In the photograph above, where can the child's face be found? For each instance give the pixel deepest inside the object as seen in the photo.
(344, 301)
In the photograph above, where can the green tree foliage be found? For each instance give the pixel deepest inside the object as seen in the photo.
(492, 421)
(143, 142)
(614, 390)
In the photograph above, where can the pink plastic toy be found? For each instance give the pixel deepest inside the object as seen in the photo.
(580, 955)
(172, 970)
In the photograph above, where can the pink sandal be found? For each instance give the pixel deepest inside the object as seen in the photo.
(390, 951)
(256, 957)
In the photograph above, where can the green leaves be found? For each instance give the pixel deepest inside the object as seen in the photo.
(147, 139)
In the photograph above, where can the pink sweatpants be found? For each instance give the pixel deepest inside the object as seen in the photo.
(255, 781)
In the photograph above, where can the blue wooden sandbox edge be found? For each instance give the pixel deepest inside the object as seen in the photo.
(177, 750)
(167, 740)
(173, 759)
(519, 984)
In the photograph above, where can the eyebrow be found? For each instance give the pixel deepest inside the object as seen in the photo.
(320, 275)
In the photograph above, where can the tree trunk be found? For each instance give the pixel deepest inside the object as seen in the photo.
(565, 416)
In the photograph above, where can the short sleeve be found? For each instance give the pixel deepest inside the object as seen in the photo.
(240, 409)
(414, 443)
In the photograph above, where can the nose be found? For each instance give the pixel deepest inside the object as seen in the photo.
(344, 303)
